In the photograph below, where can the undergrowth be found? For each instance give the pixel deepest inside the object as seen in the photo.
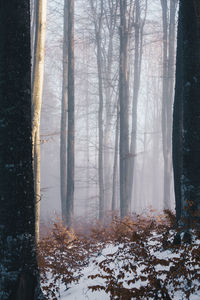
(148, 262)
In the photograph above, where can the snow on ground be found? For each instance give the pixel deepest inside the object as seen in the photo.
(80, 290)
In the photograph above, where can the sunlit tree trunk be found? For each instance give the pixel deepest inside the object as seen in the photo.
(19, 277)
(38, 75)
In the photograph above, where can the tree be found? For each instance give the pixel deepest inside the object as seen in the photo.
(125, 24)
(98, 36)
(38, 76)
(139, 28)
(186, 122)
(63, 125)
(110, 82)
(115, 164)
(168, 92)
(19, 278)
(71, 129)
(67, 192)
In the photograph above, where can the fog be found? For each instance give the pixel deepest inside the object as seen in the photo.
(148, 182)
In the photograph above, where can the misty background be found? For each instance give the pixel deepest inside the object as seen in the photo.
(148, 171)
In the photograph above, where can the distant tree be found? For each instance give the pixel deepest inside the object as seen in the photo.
(138, 23)
(115, 164)
(63, 125)
(186, 123)
(110, 50)
(104, 16)
(67, 116)
(98, 27)
(71, 127)
(19, 277)
(125, 26)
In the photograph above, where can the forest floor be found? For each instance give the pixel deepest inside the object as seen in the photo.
(138, 258)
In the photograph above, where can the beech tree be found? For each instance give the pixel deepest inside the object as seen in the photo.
(186, 123)
(19, 277)
(38, 76)
(138, 23)
(67, 116)
(125, 25)
(98, 36)
(63, 125)
(169, 27)
(104, 21)
(71, 128)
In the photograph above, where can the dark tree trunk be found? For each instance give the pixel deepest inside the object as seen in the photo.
(177, 149)
(19, 277)
(186, 136)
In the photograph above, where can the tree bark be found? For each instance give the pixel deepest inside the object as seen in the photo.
(38, 76)
(19, 277)
(100, 126)
(63, 125)
(124, 104)
(177, 150)
(71, 123)
(115, 164)
(167, 93)
(186, 138)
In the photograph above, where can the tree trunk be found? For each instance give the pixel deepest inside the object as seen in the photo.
(115, 164)
(107, 131)
(111, 19)
(136, 86)
(63, 125)
(124, 103)
(167, 93)
(98, 31)
(19, 277)
(87, 135)
(71, 125)
(100, 126)
(186, 140)
(178, 121)
(38, 76)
